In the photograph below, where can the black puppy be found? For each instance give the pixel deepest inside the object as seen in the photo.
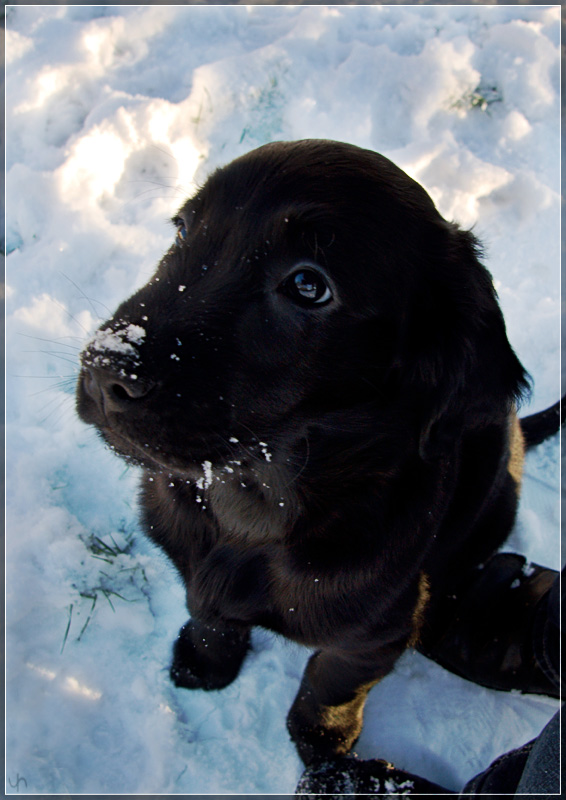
(318, 384)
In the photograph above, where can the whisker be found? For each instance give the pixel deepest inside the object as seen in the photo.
(175, 189)
(157, 183)
(165, 153)
(39, 377)
(304, 466)
(250, 452)
(89, 300)
(58, 341)
(56, 386)
(72, 317)
(63, 356)
(60, 407)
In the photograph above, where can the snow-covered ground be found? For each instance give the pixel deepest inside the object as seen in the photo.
(114, 114)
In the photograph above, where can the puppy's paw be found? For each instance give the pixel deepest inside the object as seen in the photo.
(207, 657)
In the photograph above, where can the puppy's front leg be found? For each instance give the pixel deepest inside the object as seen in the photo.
(326, 717)
(208, 656)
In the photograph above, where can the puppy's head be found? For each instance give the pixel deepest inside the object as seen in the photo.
(311, 286)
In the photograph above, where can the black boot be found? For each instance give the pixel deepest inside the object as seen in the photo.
(494, 629)
(355, 777)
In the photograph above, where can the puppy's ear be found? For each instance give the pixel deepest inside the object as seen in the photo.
(462, 369)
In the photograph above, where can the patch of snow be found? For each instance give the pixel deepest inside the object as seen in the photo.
(115, 114)
(207, 469)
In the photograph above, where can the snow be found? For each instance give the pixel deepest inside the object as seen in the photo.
(120, 340)
(114, 115)
(402, 788)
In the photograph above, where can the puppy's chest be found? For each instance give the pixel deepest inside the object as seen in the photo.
(251, 573)
(251, 512)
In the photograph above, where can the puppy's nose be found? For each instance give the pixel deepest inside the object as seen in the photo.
(114, 391)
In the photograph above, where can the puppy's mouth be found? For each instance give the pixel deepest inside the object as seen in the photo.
(228, 454)
(159, 457)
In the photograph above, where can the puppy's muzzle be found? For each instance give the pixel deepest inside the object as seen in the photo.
(111, 362)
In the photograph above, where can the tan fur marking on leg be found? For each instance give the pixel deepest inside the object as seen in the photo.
(418, 612)
(348, 716)
(517, 451)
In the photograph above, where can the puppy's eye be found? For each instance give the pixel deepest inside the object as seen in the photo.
(181, 230)
(307, 287)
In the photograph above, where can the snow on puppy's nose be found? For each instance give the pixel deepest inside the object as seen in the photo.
(110, 360)
(108, 346)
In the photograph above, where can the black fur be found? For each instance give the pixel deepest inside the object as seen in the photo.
(313, 467)
(538, 427)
